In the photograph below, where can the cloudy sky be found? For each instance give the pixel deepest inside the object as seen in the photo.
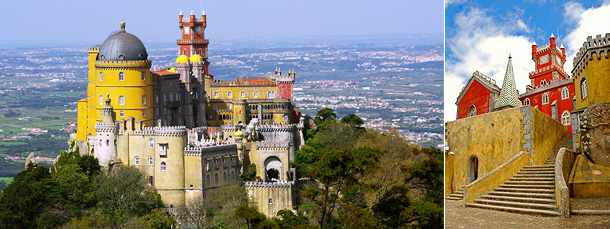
(479, 35)
(91, 21)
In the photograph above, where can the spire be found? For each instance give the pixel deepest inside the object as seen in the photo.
(180, 12)
(561, 46)
(552, 35)
(203, 13)
(509, 97)
(192, 12)
(122, 25)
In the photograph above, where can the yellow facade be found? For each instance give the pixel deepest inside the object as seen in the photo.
(596, 71)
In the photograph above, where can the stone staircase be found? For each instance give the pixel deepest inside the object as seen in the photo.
(530, 191)
(457, 195)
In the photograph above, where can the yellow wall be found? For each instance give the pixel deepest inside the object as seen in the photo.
(449, 188)
(281, 199)
(589, 180)
(597, 73)
(548, 134)
(223, 92)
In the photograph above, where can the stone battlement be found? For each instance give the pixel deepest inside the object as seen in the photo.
(101, 127)
(263, 145)
(123, 64)
(548, 68)
(164, 130)
(546, 47)
(277, 128)
(278, 184)
(235, 83)
(596, 45)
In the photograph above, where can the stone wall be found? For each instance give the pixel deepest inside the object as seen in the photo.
(271, 197)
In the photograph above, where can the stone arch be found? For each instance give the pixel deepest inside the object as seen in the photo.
(472, 111)
(472, 174)
(273, 168)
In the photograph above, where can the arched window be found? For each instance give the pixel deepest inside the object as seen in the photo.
(224, 177)
(143, 99)
(101, 76)
(543, 83)
(565, 93)
(472, 111)
(271, 94)
(163, 166)
(184, 50)
(151, 143)
(545, 98)
(215, 94)
(565, 118)
(171, 97)
(136, 160)
(232, 176)
(216, 178)
(255, 94)
(121, 100)
(143, 75)
(121, 76)
(101, 100)
(151, 161)
(242, 94)
(177, 97)
(583, 88)
(208, 179)
(526, 101)
(230, 94)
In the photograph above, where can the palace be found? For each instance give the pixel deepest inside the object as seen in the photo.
(186, 131)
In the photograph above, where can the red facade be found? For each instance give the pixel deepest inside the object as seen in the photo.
(478, 95)
(552, 90)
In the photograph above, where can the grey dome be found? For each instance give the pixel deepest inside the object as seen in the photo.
(122, 45)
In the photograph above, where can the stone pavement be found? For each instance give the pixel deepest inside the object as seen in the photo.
(457, 216)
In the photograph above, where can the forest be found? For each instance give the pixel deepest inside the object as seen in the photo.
(348, 177)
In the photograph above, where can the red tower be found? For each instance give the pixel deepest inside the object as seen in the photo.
(551, 90)
(193, 37)
(478, 96)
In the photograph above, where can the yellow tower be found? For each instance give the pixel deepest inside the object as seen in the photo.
(120, 68)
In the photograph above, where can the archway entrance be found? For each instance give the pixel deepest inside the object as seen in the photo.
(273, 169)
(473, 169)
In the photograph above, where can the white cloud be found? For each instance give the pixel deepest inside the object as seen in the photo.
(455, 2)
(585, 22)
(483, 44)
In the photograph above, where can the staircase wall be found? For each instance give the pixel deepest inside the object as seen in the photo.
(589, 180)
(496, 137)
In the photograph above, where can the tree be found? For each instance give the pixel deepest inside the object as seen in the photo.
(287, 219)
(353, 120)
(158, 219)
(252, 216)
(324, 116)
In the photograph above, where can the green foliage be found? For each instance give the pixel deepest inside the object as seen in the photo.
(158, 219)
(217, 209)
(287, 219)
(353, 120)
(250, 175)
(325, 116)
(76, 185)
(252, 216)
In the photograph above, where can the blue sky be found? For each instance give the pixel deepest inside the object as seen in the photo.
(90, 21)
(479, 35)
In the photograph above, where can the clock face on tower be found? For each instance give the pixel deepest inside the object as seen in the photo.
(544, 59)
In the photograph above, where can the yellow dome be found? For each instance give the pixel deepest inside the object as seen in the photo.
(239, 134)
(171, 70)
(195, 58)
(182, 59)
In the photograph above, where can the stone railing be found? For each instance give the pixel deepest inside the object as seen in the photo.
(277, 184)
(563, 167)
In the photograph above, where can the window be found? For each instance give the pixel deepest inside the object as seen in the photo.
(543, 83)
(101, 113)
(583, 88)
(121, 113)
(151, 161)
(230, 94)
(101, 76)
(151, 143)
(271, 94)
(163, 150)
(208, 179)
(209, 165)
(215, 94)
(184, 52)
(121, 76)
(270, 200)
(121, 100)
(242, 94)
(225, 161)
(216, 178)
(156, 98)
(143, 113)
(565, 93)
(215, 106)
(234, 161)
(187, 30)
(255, 94)
(163, 166)
(285, 117)
(136, 160)
(171, 97)
(143, 75)
(101, 100)
(177, 97)
(565, 118)
(224, 177)
(526, 101)
(217, 163)
(143, 99)
(232, 176)
(229, 106)
(472, 111)
(199, 51)
(545, 98)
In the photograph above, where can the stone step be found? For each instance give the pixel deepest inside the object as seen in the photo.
(538, 169)
(537, 172)
(523, 194)
(459, 192)
(530, 182)
(533, 179)
(518, 210)
(530, 190)
(517, 204)
(534, 175)
(452, 198)
(519, 199)
(457, 195)
(533, 186)
(539, 166)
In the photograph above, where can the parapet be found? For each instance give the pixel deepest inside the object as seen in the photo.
(123, 64)
(101, 127)
(164, 130)
(277, 184)
(264, 145)
(596, 45)
(278, 128)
